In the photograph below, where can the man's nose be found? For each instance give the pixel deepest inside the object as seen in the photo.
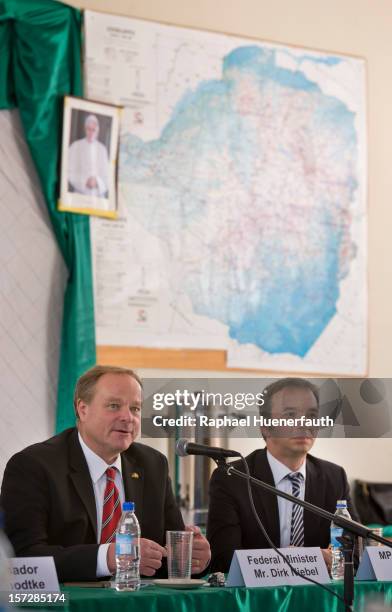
(126, 414)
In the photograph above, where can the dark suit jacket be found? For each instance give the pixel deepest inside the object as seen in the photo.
(48, 499)
(232, 526)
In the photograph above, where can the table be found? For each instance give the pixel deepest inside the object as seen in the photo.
(279, 599)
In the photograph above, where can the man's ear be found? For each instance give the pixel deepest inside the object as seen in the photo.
(264, 432)
(81, 409)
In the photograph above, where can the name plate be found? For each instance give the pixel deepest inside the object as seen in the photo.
(33, 575)
(264, 567)
(376, 564)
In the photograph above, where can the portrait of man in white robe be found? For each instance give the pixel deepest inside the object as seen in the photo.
(88, 162)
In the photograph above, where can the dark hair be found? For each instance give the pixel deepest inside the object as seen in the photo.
(85, 386)
(284, 383)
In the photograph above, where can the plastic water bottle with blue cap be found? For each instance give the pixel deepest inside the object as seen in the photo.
(337, 569)
(128, 550)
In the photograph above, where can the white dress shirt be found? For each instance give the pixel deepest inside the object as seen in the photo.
(97, 468)
(279, 473)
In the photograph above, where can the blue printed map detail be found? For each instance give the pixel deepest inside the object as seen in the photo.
(249, 189)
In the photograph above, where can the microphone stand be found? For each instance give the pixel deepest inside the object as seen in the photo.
(355, 529)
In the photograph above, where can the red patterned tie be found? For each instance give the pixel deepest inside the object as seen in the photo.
(111, 508)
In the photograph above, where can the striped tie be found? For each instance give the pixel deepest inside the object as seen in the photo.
(297, 513)
(111, 512)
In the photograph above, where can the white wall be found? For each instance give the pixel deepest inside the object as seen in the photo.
(31, 296)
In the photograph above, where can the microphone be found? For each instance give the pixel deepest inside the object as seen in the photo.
(183, 448)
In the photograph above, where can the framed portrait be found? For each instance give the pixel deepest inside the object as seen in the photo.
(89, 158)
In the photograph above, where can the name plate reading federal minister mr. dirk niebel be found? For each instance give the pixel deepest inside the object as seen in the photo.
(264, 567)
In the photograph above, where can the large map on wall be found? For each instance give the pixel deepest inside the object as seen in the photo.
(242, 191)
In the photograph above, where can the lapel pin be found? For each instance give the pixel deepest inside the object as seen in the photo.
(135, 475)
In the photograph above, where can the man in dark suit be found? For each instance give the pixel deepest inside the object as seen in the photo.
(55, 493)
(286, 464)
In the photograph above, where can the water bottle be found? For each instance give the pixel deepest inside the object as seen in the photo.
(6, 553)
(128, 550)
(337, 568)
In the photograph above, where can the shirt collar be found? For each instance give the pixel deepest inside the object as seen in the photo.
(96, 465)
(280, 470)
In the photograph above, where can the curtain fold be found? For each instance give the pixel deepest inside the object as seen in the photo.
(40, 62)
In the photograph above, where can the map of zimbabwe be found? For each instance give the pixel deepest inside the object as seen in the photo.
(242, 176)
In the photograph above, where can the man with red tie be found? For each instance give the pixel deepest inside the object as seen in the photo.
(63, 497)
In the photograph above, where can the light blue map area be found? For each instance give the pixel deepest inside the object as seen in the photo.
(250, 189)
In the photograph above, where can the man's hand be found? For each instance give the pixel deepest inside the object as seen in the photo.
(327, 554)
(92, 182)
(111, 558)
(201, 553)
(151, 555)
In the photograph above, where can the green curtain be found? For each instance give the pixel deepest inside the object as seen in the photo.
(40, 62)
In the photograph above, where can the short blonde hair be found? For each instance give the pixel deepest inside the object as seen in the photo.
(85, 386)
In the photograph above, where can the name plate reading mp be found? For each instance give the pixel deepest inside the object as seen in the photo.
(376, 564)
(33, 575)
(264, 567)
